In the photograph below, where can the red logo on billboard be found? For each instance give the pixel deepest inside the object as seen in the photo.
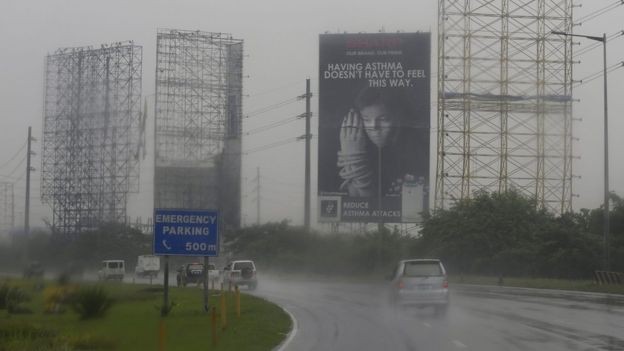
(373, 43)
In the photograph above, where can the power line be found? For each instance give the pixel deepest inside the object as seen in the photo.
(14, 156)
(264, 92)
(271, 145)
(590, 16)
(599, 74)
(10, 176)
(272, 125)
(272, 107)
(596, 45)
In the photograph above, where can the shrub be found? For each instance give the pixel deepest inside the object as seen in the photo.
(86, 342)
(91, 302)
(16, 335)
(4, 290)
(56, 297)
(63, 279)
(14, 298)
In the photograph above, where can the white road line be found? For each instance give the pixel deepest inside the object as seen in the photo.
(459, 344)
(292, 333)
(427, 324)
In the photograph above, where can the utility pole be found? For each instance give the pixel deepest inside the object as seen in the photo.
(605, 218)
(12, 208)
(258, 196)
(27, 200)
(307, 159)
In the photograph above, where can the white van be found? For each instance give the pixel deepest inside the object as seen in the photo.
(112, 270)
(147, 266)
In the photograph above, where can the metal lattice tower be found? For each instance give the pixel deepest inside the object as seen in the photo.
(91, 134)
(7, 208)
(198, 122)
(504, 100)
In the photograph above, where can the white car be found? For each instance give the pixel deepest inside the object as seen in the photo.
(420, 282)
(242, 272)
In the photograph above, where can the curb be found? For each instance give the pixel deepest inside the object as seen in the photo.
(291, 334)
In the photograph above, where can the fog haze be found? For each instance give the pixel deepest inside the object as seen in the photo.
(281, 51)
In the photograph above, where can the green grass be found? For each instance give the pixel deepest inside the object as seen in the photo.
(133, 322)
(539, 283)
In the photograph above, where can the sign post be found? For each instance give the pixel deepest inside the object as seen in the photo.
(185, 232)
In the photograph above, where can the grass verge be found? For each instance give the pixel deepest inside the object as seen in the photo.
(133, 323)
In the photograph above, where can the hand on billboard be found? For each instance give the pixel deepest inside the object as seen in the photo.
(352, 137)
(352, 161)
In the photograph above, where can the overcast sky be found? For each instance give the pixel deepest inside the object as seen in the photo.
(281, 51)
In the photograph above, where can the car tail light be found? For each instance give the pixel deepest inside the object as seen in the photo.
(445, 284)
(401, 285)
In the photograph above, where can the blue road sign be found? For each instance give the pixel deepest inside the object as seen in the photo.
(186, 232)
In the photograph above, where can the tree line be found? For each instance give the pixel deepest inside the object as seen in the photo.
(490, 234)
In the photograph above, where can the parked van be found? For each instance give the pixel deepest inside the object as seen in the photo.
(147, 266)
(112, 270)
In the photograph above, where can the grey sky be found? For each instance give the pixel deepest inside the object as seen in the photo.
(281, 48)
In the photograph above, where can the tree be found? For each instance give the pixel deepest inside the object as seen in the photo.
(493, 233)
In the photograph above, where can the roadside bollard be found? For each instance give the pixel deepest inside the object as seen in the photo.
(213, 325)
(237, 302)
(223, 312)
(162, 336)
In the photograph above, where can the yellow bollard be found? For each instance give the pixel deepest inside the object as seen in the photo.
(223, 312)
(237, 302)
(162, 336)
(213, 326)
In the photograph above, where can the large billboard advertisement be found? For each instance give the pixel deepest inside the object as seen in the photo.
(374, 127)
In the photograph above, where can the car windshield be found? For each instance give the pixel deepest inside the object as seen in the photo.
(195, 267)
(421, 269)
(114, 264)
(238, 266)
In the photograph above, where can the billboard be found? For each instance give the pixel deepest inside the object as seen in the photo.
(374, 127)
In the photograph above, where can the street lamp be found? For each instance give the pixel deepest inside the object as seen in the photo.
(605, 229)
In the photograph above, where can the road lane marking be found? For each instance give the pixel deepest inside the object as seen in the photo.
(459, 344)
(292, 333)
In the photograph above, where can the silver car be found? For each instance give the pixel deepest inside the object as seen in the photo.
(420, 282)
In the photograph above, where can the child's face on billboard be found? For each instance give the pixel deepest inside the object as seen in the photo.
(378, 123)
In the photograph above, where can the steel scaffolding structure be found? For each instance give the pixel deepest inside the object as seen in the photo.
(7, 208)
(504, 100)
(198, 122)
(91, 134)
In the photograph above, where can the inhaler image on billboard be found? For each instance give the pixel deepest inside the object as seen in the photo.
(374, 127)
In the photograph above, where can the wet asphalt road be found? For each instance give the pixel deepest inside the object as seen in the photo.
(341, 316)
